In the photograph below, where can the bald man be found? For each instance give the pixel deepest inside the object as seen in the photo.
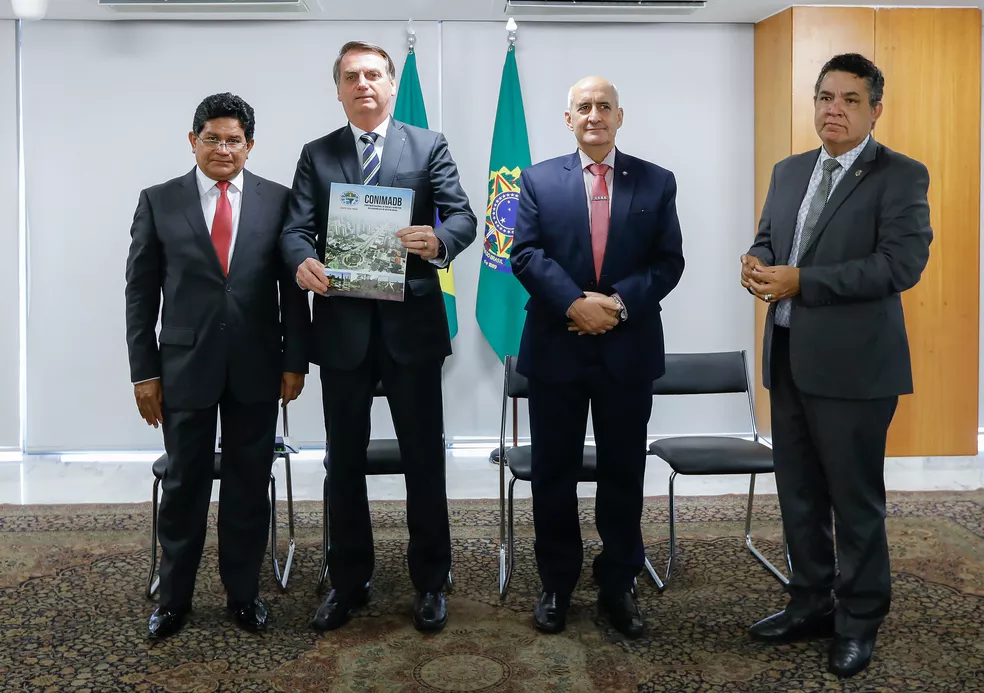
(597, 246)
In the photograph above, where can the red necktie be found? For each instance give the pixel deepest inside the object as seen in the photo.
(599, 215)
(222, 226)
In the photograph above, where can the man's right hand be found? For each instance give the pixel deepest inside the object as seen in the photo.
(594, 314)
(749, 263)
(149, 397)
(311, 276)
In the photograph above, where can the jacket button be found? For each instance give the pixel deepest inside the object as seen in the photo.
(221, 325)
(228, 287)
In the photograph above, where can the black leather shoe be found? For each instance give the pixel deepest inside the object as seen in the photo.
(430, 612)
(623, 612)
(850, 656)
(251, 616)
(550, 613)
(782, 627)
(336, 610)
(165, 622)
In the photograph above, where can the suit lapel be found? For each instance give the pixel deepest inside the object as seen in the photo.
(580, 222)
(249, 217)
(623, 186)
(192, 202)
(848, 182)
(396, 138)
(348, 155)
(785, 221)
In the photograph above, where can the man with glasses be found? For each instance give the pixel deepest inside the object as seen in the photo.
(359, 342)
(232, 342)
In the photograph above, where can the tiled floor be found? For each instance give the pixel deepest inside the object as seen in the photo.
(108, 478)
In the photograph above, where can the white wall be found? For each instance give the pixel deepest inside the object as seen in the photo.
(9, 264)
(108, 105)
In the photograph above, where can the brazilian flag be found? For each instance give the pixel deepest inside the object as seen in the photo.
(410, 109)
(500, 307)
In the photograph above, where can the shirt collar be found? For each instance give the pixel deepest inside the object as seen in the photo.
(847, 159)
(586, 160)
(205, 184)
(379, 130)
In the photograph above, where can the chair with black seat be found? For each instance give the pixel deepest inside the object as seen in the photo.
(519, 459)
(707, 374)
(282, 450)
(382, 457)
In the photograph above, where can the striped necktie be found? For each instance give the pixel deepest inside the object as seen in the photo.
(370, 159)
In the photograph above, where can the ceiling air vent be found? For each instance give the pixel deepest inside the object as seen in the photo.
(602, 7)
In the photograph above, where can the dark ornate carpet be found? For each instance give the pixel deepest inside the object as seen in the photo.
(73, 615)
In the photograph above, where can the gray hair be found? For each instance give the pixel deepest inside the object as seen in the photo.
(570, 97)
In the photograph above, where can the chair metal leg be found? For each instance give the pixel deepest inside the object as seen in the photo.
(282, 578)
(449, 586)
(507, 556)
(672, 511)
(654, 575)
(751, 547)
(152, 581)
(325, 542)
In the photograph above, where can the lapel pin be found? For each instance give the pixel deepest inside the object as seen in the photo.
(857, 173)
(625, 173)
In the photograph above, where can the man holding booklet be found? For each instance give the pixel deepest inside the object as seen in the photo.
(360, 341)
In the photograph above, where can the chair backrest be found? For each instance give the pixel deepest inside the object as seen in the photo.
(703, 374)
(516, 384)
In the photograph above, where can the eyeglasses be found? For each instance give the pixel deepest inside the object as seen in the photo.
(212, 143)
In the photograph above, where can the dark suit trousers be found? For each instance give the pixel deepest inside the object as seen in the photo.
(248, 434)
(830, 455)
(558, 422)
(414, 395)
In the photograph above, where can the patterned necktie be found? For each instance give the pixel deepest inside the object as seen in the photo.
(599, 215)
(222, 226)
(783, 308)
(370, 159)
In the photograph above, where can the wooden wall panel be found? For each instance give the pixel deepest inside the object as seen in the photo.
(932, 64)
(773, 102)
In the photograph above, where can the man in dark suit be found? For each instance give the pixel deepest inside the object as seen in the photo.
(233, 338)
(359, 342)
(597, 246)
(844, 230)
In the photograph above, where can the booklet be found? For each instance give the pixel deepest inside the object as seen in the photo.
(363, 256)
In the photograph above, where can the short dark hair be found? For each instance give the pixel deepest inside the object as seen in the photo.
(859, 66)
(225, 105)
(363, 46)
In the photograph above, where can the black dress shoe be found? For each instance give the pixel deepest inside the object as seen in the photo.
(550, 613)
(336, 610)
(623, 612)
(251, 616)
(850, 656)
(165, 622)
(430, 612)
(783, 627)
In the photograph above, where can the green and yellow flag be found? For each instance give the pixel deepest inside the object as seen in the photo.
(500, 308)
(410, 109)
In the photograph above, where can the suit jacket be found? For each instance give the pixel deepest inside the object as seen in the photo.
(552, 259)
(847, 332)
(415, 329)
(242, 331)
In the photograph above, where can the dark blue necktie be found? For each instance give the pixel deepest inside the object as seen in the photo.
(370, 160)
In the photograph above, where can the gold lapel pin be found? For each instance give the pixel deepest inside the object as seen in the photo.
(857, 173)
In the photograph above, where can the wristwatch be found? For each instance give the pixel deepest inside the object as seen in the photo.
(623, 314)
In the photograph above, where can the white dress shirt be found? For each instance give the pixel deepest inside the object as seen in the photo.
(360, 147)
(209, 195)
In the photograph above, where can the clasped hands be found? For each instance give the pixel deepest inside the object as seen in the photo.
(593, 313)
(419, 240)
(769, 283)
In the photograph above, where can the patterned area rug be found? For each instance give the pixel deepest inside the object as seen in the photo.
(73, 615)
